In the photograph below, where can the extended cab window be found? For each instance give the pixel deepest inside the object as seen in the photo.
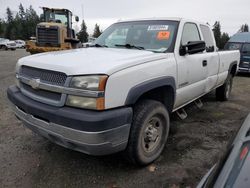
(207, 35)
(155, 36)
(190, 33)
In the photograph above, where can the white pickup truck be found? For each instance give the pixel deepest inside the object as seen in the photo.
(7, 44)
(117, 95)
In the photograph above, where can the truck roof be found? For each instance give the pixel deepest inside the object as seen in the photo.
(164, 18)
(241, 37)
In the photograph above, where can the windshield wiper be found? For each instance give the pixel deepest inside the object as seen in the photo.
(130, 46)
(98, 45)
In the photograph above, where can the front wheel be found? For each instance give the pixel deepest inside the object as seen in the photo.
(149, 132)
(223, 92)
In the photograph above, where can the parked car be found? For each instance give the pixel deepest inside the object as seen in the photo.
(241, 41)
(7, 44)
(117, 97)
(90, 42)
(234, 168)
(20, 43)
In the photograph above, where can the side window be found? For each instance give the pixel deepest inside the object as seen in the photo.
(207, 35)
(190, 33)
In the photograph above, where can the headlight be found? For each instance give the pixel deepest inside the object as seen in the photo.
(93, 83)
(85, 102)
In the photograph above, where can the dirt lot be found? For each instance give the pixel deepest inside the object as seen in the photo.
(195, 144)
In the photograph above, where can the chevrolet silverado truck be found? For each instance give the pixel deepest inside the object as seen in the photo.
(117, 95)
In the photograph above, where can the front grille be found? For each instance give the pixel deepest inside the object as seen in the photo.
(42, 93)
(47, 76)
(47, 36)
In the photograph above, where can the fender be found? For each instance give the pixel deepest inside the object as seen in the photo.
(138, 90)
(231, 66)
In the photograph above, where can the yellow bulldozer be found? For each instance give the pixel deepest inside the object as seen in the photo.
(54, 33)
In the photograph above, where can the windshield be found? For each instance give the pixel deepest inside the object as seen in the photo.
(246, 48)
(233, 46)
(56, 16)
(156, 36)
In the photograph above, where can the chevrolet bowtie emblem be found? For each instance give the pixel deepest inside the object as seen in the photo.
(34, 83)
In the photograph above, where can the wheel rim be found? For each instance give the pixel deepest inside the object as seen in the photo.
(152, 134)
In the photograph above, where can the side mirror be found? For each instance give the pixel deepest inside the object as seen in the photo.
(192, 47)
(77, 19)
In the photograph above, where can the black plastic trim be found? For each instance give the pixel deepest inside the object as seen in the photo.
(79, 119)
(144, 87)
(231, 66)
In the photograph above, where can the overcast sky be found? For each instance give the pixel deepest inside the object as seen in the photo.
(231, 13)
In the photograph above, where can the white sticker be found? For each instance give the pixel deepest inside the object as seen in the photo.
(157, 27)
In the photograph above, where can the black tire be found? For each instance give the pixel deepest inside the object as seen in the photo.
(149, 132)
(223, 92)
(5, 48)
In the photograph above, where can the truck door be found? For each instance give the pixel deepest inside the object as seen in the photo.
(212, 58)
(192, 68)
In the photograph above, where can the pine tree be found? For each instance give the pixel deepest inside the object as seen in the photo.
(217, 33)
(10, 24)
(97, 31)
(83, 35)
(244, 28)
(224, 39)
(2, 26)
(21, 12)
(32, 19)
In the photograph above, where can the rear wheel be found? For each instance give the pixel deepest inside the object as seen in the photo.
(148, 133)
(223, 92)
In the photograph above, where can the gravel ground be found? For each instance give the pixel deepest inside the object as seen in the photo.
(195, 144)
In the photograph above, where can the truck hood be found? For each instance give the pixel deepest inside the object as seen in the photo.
(90, 60)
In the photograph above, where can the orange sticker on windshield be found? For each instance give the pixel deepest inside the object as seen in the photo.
(163, 35)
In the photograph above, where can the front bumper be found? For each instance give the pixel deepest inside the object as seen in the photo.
(90, 132)
(11, 47)
(241, 69)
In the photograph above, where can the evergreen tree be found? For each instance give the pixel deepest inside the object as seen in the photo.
(10, 24)
(83, 35)
(224, 39)
(2, 26)
(21, 25)
(244, 28)
(217, 33)
(97, 31)
(21, 12)
(32, 19)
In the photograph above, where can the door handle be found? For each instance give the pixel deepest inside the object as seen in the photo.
(204, 63)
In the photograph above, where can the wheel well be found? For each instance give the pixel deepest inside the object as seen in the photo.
(165, 95)
(233, 70)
